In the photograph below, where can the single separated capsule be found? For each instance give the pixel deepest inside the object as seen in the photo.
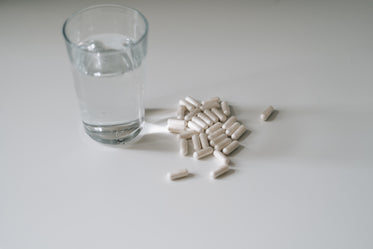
(192, 101)
(239, 132)
(186, 104)
(183, 146)
(267, 112)
(225, 108)
(211, 115)
(218, 113)
(222, 144)
(232, 128)
(205, 118)
(178, 174)
(213, 128)
(229, 122)
(200, 122)
(231, 147)
(196, 142)
(220, 171)
(195, 126)
(204, 141)
(221, 157)
(203, 153)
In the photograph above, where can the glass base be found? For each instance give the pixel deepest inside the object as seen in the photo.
(114, 134)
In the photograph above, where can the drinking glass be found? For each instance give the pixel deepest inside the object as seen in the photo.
(107, 46)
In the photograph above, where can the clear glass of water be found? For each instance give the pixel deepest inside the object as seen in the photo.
(107, 46)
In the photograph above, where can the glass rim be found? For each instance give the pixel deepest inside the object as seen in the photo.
(76, 13)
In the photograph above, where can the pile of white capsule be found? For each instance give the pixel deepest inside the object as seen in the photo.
(211, 128)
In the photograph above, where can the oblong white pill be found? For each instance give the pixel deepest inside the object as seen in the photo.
(176, 130)
(211, 115)
(195, 126)
(218, 139)
(200, 122)
(178, 174)
(221, 157)
(222, 144)
(203, 153)
(180, 112)
(225, 108)
(192, 101)
(186, 104)
(196, 142)
(214, 99)
(229, 122)
(218, 113)
(216, 133)
(187, 134)
(213, 128)
(205, 118)
(220, 171)
(232, 128)
(176, 123)
(183, 146)
(239, 132)
(231, 147)
(204, 141)
(191, 114)
(267, 112)
(209, 105)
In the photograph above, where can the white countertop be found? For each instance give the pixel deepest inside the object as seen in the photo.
(302, 180)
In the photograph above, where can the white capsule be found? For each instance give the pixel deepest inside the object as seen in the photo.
(216, 133)
(178, 174)
(229, 122)
(209, 105)
(180, 112)
(203, 153)
(192, 101)
(204, 141)
(187, 134)
(195, 126)
(213, 128)
(205, 118)
(183, 146)
(238, 133)
(218, 139)
(267, 112)
(200, 122)
(232, 128)
(214, 99)
(221, 157)
(186, 104)
(191, 114)
(211, 115)
(225, 108)
(218, 113)
(222, 144)
(176, 123)
(231, 147)
(220, 171)
(196, 142)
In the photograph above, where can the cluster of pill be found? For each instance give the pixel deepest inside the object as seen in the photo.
(210, 127)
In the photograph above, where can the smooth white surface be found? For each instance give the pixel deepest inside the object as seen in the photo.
(301, 180)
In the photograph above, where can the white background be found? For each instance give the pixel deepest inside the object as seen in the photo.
(301, 180)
